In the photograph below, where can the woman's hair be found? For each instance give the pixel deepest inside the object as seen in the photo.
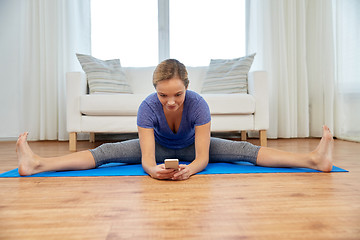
(168, 69)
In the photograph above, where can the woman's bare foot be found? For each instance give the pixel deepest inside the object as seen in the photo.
(28, 161)
(322, 155)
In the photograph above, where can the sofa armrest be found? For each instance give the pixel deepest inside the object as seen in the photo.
(75, 87)
(258, 87)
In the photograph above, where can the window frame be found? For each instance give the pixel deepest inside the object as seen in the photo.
(163, 29)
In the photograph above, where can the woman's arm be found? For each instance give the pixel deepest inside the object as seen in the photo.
(147, 145)
(202, 145)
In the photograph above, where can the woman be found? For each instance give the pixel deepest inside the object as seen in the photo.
(175, 123)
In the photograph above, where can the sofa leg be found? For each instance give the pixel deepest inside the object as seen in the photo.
(72, 141)
(263, 138)
(92, 137)
(243, 135)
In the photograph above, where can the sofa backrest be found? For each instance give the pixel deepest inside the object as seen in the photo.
(140, 78)
(196, 76)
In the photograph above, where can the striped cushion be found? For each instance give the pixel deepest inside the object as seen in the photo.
(104, 76)
(227, 75)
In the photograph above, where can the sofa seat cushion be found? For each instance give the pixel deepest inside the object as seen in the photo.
(220, 104)
(111, 105)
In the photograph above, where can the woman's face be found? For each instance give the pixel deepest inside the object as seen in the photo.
(171, 93)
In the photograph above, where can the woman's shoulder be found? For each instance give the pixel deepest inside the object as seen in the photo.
(193, 95)
(195, 100)
(149, 107)
(151, 100)
(198, 108)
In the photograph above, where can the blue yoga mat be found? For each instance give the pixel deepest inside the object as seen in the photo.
(118, 169)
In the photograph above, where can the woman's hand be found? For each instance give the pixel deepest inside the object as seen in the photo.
(160, 172)
(183, 173)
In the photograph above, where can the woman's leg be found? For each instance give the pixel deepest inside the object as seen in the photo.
(30, 163)
(121, 152)
(319, 159)
(223, 150)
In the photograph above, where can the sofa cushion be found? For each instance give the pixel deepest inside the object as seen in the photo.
(111, 105)
(104, 76)
(220, 104)
(227, 75)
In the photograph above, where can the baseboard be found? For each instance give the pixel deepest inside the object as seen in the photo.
(8, 139)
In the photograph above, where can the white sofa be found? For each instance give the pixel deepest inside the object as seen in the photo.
(116, 113)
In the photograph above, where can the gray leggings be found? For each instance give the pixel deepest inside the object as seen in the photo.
(221, 150)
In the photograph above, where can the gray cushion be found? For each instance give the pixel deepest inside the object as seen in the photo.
(104, 76)
(227, 75)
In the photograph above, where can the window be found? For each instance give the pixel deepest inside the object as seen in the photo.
(125, 29)
(348, 53)
(204, 29)
(191, 31)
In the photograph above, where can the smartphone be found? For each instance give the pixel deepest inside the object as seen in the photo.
(172, 163)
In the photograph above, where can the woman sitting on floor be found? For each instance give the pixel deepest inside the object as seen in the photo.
(175, 123)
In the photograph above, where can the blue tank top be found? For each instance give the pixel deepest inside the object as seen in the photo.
(196, 112)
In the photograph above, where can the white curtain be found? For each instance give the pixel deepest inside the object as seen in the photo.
(347, 94)
(294, 43)
(51, 33)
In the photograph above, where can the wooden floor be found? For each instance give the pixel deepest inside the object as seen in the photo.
(240, 206)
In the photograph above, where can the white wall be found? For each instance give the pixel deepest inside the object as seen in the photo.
(10, 57)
